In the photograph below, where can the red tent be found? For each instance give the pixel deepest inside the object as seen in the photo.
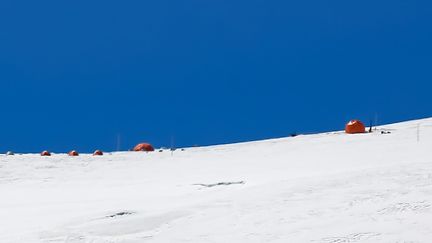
(355, 126)
(45, 153)
(98, 153)
(73, 153)
(144, 147)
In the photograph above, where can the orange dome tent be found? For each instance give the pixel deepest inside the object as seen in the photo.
(144, 147)
(98, 153)
(73, 153)
(45, 153)
(355, 126)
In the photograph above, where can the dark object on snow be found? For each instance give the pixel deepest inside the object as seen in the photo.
(385, 132)
(119, 214)
(221, 184)
(294, 134)
(10, 153)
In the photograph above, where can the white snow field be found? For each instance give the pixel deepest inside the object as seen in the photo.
(329, 188)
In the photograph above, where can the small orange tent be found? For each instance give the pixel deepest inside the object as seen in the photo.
(144, 147)
(73, 153)
(355, 126)
(98, 153)
(45, 153)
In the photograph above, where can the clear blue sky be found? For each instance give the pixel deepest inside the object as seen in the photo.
(74, 74)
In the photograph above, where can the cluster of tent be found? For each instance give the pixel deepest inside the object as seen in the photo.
(145, 147)
(352, 127)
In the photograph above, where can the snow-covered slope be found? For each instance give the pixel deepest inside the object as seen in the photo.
(326, 188)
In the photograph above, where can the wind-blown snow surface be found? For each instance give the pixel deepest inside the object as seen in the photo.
(326, 188)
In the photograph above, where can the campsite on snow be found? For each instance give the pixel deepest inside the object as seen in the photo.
(334, 187)
(215, 121)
